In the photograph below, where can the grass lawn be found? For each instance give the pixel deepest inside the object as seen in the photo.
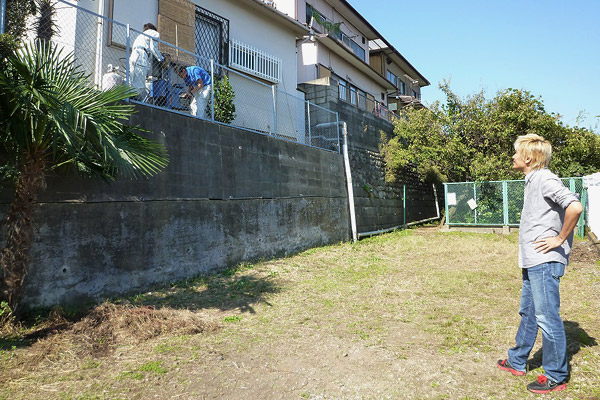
(417, 314)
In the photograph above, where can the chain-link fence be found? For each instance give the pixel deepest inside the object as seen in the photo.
(113, 53)
(496, 203)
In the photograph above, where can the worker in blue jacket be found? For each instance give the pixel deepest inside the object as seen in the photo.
(199, 84)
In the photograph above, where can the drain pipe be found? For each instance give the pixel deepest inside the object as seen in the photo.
(99, 45)
(348, 173)
(349, 181)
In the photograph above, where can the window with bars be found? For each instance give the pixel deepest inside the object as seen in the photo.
(254, 61)
(211, 38)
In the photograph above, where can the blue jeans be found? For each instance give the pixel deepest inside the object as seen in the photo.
(540, 302)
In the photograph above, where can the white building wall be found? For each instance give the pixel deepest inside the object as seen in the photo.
(254, 100)
(346, 71)
(288, 7)
(260, 31)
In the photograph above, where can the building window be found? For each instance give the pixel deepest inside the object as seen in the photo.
(254, 61)
(359, 51)
(362, 99)
(391, 77)
(343, 90)
(353, 95)
(414, 94)
(211, 38)
(402, 86)
(355, 47)
(313, 15)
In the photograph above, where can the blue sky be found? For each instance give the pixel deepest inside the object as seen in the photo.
(551, 48)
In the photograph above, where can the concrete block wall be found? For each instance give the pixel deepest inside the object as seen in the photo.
(227, 196)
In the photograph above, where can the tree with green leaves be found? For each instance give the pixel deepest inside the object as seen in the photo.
(471, 139)
(51, 117)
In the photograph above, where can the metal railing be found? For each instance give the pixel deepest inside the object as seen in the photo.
(363, 102)
(496, 203)
(103, 48)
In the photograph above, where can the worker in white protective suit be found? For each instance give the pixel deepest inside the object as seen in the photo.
(144, 46)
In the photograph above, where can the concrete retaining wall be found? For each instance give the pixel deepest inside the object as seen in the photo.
(227, 196)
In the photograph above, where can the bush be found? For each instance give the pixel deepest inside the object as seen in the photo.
(224, 96)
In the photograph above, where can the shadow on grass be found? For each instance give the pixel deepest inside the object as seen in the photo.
(231, 289)
(576, 339)
(223, 291)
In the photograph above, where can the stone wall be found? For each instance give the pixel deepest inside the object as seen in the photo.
(227, 196)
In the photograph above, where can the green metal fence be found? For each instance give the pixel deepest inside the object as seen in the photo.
(496, 203)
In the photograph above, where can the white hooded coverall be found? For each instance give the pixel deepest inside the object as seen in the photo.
(139, 62)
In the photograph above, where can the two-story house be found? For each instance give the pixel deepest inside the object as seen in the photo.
(341, 44)
(249, 40)
(347, 66)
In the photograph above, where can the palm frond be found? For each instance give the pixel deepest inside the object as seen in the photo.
(52, 106)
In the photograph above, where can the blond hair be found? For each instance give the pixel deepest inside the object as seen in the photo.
(535, 148)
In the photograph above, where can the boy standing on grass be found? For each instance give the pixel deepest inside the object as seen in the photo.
(550, 212)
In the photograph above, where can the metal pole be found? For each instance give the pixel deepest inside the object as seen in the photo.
(582, 217)
(127, 55)
(274, 110)
(404, 205)
(2, 15)
(475, 198)
(212, 89)
(435, 198)
(337, 129)
(505, 201)
(308, 117)
(99, 45)
(446, 203)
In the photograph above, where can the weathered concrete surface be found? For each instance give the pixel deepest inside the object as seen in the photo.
(227, 196)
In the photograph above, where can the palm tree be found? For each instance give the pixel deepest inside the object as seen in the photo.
(50, 117)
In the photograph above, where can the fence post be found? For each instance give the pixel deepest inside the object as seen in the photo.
(505, 202)
(446, 203)
(582, 217)
(475, 198)
(127, 56)
(337, 129)
(99, 48)
(404, 205)
(274, 110)
(212, 89)
(435, 199)
(2, 15)
(574, 190)
(308, 118)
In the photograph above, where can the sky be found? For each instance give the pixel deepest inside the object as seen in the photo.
(550, 48)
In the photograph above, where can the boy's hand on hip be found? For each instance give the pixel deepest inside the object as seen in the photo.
(547, 244)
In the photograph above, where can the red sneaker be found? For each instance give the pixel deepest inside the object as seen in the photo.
(544, 385)
(504, 365)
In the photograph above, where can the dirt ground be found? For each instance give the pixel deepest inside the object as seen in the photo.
(417, 314)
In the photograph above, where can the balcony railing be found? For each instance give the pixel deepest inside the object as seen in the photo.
(256, 62)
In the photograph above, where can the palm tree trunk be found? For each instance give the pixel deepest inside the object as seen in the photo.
(14, 258)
